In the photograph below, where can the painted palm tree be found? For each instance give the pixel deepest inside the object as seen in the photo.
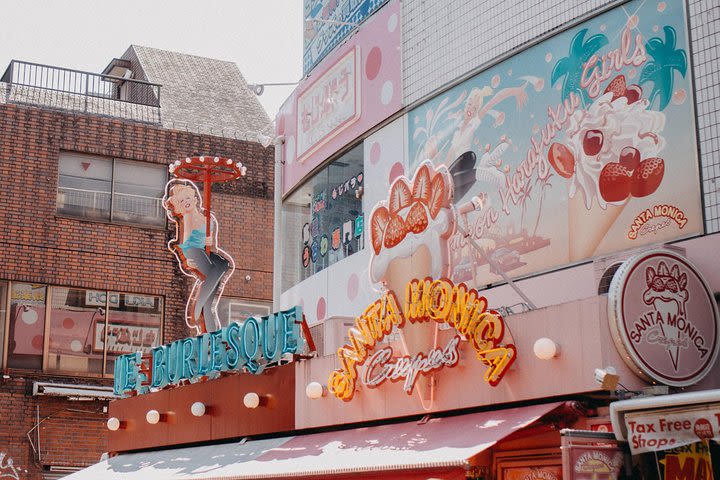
(660, 71)
(570, 68)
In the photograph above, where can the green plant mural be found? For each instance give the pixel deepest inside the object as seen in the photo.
(570, 68)
(660, 71)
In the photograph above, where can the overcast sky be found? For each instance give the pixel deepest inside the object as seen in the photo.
(263, 37)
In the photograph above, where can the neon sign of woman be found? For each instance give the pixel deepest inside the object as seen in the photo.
(198, 254)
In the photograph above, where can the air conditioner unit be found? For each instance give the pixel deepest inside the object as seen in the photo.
(73, 392)
(602, 265)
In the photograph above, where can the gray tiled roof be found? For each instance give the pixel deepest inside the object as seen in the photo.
(199, 94)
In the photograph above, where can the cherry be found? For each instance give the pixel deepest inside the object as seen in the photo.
(592, 142)
(630, 158)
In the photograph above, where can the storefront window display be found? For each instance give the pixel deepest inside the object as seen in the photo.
(75, 335)
(323, 220)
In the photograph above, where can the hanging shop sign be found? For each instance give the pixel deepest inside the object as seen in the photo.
(597, 462)
(664, 318)
(250, 346)
(427, 302)
(666, 429)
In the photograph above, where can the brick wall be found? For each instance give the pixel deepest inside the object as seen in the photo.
(38, 246)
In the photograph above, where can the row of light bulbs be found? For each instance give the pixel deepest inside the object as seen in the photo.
(198, 409)
(544, 349)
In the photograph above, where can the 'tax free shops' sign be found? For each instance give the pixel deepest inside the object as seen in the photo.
(665, 429)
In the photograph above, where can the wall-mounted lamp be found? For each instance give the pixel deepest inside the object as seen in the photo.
(253, 400)
(607, 378)
(315, 390)
(114, 424)
(546, 348)
(199, 409)
(259, 88)
(153, 417)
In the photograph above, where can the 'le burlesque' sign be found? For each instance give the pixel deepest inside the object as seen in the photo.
(426, 301)
(251, 346)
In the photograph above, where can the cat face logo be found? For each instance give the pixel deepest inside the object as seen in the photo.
(666, 287)
(667, 293)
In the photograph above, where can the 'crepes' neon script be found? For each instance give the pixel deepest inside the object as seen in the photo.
(383, 366)
(426, 300)
(250, 346)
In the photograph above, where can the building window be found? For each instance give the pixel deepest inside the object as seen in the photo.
(108, 189)
(75, 335)
(26, 331)
(323, 220)
(238, 310)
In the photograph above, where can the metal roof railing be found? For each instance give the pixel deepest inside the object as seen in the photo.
(75, 90)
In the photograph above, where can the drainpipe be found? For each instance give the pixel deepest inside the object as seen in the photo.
(277, 222)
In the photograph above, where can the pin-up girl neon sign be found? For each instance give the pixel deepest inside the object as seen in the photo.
(195, 243)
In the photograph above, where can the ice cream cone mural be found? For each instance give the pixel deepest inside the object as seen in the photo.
(610, 155)
(410, 233)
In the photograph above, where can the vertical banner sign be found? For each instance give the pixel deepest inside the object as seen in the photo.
(582, 145)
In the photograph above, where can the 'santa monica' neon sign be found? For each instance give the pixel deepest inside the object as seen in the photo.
(249, 346)
(427, 300)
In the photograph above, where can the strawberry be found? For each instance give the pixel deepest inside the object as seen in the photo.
(614, 183)
(617, 87)
(562, 160)
(395, 232)
(633, 93)
(438, 194)
(400, 196)
(647, 177)
(378, 221)
(421, 185)
(417, 220)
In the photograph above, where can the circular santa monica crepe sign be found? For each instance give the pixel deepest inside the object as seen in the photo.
(664, 318)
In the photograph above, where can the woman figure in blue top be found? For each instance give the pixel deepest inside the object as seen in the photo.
(211, 270)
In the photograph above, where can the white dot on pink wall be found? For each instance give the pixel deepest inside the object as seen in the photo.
(386, 94)
(392, 22)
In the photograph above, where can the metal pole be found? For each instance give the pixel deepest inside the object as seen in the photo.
(277, 235)
(208, 187)
(494, 265)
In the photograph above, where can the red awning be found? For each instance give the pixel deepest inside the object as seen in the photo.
(438, 448)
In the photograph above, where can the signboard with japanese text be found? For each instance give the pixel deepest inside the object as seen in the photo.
(329, 22)
(357, 86)
(579, 146)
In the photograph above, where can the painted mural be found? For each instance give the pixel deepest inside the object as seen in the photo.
(582, 145)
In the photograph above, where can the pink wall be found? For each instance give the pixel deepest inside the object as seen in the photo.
(351, 91)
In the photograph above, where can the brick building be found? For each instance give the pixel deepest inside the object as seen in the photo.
(83, 164)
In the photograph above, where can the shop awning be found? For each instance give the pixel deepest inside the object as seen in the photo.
(438, 445)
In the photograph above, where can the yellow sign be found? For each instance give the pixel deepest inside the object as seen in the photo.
(427, 300)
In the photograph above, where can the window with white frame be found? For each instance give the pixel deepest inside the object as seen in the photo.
(107, 189)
